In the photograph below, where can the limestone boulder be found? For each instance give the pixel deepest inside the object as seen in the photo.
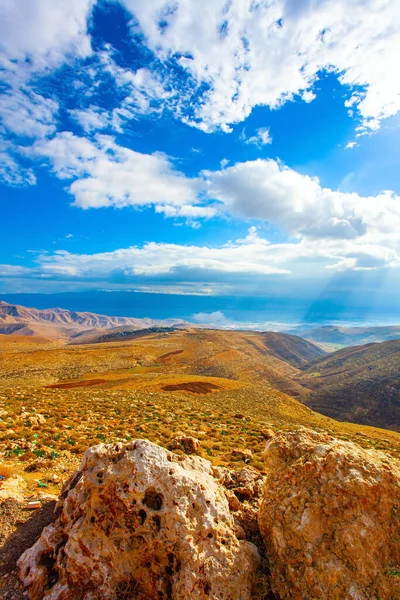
(186, 443)
(330, 519)
(140, 522)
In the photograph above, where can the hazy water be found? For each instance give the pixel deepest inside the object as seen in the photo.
(248, 311)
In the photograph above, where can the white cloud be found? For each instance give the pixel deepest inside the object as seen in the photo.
(265, 53)
(247, 264)
(106, 174)
(25, 113)
(350, 145)
(308, 96)
(11, 172)
(268, 190)
(332, 224)
(91, 119)
(145, 94)
(35, 38)
(262, 137)
(45, 32)
(214, 318)
(243, 54)
(244, 257)
(188, 211)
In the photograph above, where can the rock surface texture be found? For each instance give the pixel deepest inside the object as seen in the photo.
(140, 522)
(330, 519)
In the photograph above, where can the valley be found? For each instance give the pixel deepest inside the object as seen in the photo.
(359, 384)
(225, 388)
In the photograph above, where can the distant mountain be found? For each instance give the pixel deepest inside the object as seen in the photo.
(360, 384)
(352, 336)
(61, 323)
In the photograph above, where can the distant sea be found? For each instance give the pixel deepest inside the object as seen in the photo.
(227, 311)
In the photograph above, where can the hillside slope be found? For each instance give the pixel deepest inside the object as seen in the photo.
(122, 333)
(269, 357)
(292, 349)
(221, 387)
(359, 384)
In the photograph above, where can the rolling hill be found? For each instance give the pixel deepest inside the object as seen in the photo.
(352, 336)
(360, 384)
(269, 357)
(291, 348)
(115, 334)
(226, 388)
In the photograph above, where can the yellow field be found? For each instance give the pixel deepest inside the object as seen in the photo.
(220, 387)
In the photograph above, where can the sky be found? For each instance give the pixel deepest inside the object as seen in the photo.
(223, 148)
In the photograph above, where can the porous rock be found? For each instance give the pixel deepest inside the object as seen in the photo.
(186, 443)
(330, 519)
(140, 522)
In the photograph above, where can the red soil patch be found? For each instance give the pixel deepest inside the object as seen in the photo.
(197, 387)
(75, 384)
(166, 356)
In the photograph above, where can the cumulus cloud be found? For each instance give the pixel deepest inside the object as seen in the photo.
(25, 113)
(11, 171)
(298, 204)
(35, 39)
(144, 94)
(106, 174)
(163, 262)
(91, 119)
(211, 72)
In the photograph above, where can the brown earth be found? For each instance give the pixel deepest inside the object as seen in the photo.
(75, 384)
(196, 387)
(44, 430)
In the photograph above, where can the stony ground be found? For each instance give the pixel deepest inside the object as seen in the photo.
(55, 402)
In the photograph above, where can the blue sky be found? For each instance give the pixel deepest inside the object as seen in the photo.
(218, 148)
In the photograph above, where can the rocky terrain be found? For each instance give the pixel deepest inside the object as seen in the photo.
(138, 521)
(329, 519)
(135, 511)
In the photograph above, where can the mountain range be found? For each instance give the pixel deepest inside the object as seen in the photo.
(352, 336)
(63, 324)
